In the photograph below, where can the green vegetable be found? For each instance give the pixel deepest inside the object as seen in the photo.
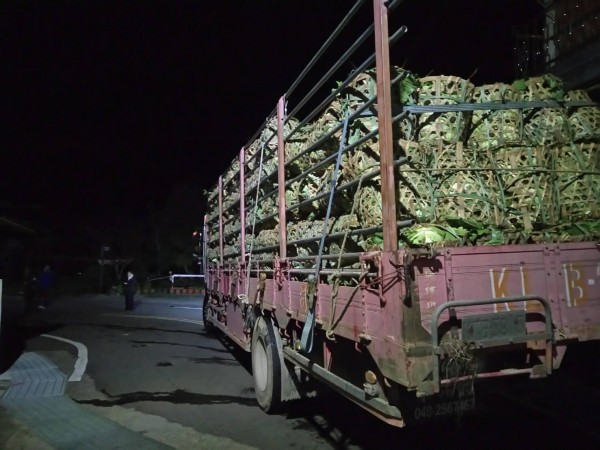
(519, 85)
(424, 234)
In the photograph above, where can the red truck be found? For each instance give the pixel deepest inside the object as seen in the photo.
(302, 274)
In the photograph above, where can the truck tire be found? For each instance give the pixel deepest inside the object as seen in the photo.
(266, 366)
(208, 326)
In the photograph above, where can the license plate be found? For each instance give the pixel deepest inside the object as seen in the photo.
(452, 401)
(493, 327)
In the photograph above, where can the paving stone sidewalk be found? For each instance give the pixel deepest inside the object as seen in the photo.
(35, 398)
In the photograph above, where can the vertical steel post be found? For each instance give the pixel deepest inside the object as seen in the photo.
(281, 178)
(242, 205)
(205, 261)
(242, 266)
(221, 220)
(384, 116)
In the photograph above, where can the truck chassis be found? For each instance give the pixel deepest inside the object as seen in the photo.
(407, 340)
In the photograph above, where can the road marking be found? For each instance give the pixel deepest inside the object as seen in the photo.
(82, 357)
(197, 322)
(185, 307)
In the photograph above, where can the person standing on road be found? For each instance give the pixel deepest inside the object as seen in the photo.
(130, 289)
(46, 284)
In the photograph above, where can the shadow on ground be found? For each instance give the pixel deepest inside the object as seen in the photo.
(557, 412)
(17, 328)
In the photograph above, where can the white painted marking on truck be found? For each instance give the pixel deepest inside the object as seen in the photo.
(430, 305)
(499, 285)
(576, 285)
(82, 357)
(567, 291)
(493, 285)
(523, 288)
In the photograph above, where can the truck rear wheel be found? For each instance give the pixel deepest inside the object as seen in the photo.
(208, 326)
(266, 366)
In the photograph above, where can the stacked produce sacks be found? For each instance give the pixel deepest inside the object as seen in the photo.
(467, 176)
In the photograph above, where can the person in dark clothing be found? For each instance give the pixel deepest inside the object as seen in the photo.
(130, 287)
(46, 286)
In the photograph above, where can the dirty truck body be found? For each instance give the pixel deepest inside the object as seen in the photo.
(403, 331)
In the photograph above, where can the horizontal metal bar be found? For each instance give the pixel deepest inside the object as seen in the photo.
(499, 373)
(493, 106)
(488, 301)
(367, 137)
(390, 413)
(325, 46)
(341, 272)
(267, 153)
(309, 258)
(358, 70)
(361, 39)
(400, 224)
(361, 231)
(315, 146)
(505, 169)
(341, 234)
(348, 185)
(312, 147)
(325, 137)
(549, 335)
(257, 133)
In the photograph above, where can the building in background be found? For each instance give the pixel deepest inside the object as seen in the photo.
(564, 41)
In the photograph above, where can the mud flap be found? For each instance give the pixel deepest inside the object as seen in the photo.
(290, 382)
(308, 332)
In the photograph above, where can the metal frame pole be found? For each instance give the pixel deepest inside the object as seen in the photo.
(205, 262)
(242, 265)
(221, 220)
(384, 116)
(242, 205)
(281, 178)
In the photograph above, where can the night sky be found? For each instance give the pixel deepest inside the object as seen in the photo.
(106, 105)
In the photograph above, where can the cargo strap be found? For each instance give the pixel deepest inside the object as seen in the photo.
(308, 331)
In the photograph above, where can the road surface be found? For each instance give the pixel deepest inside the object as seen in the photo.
(156, 371)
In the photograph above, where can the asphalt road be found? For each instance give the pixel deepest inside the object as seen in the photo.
(155, 370)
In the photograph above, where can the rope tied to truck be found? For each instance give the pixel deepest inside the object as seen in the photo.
(460, 363)
(336, 277)
(306, 340)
